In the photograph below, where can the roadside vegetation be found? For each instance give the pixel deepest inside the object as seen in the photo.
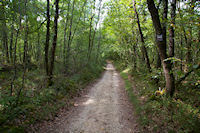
(49, 52)
(155, 46)
(51, 49)
(154, 111)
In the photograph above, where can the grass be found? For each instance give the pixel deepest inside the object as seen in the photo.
(37, 102)
(159, 113)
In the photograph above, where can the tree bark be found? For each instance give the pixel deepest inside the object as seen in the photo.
(171, 30)
(4, 31)
(161, 43)
(38, 52)
(98, 46)
(90, 32)
(164, 22)
(187, 74)
(24, 54)
(69, 38)
(181, 54)
(46, 49)
(11, 41)
(25, 40)
(158, 63)
(94, 33)
(54, 42)
(15, 53)
(189, 43)
(142, 38)
(65, 32)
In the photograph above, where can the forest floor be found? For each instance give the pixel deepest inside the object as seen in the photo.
(104, 108)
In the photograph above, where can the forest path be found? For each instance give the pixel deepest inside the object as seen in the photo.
(105, 109)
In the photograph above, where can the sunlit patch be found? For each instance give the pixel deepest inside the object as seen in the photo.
(115, 74)
(89, 101)
(109, 67)
(1, 107)
(126, 70)
(116, 85)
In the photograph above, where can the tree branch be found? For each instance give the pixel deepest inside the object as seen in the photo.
(187, 74)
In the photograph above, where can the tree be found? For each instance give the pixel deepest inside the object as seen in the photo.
(142, 38)
(4, 31)
(172, 25)
(54, 42)
(161, 43)
(47, 40)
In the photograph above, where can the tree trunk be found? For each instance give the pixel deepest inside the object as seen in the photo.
(189, 43)
(25, 41)
(46, 49)
(65, 33)
(94, 33)
(11, 42)
(54, 42)
(15, 53)
(158, 63)
(181, 54)
(25, 54)
(161, 43)
(171, 30)
(4, 31)
(164, 22)
(90, 32)
(69, 38)
(38, 52)
(142, 38)
(78, 20)
(98, 46)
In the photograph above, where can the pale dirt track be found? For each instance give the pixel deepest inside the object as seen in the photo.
(105, 109)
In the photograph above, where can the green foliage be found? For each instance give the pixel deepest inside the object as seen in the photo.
(42, 104)
(12, 130)
(158, 113)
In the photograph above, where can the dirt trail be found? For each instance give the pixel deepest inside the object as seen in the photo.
(105, 109)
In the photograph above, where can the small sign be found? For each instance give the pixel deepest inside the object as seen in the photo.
(160, 37)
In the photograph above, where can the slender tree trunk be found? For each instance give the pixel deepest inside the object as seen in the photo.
(54, 42)
(65, 32)
(38, 47)
(78, 20)
(182, 26)
(158, 63)
(171, 30)
(90, 33)
(142, 38)
(189, 43)
(98, 46)
(94, 33)
(15, 53)
(25, 41)
(161, 43)
(25, 54)
(134, 45)
(134, 57)
(69, 37)
(46, 49)
(164, 22)
(181, 54)
(4, 31)
(11, 42)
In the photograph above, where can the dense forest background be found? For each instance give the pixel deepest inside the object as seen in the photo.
(51, 49)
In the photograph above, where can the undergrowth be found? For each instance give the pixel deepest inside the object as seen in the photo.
(157, 113)
(38, 102)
